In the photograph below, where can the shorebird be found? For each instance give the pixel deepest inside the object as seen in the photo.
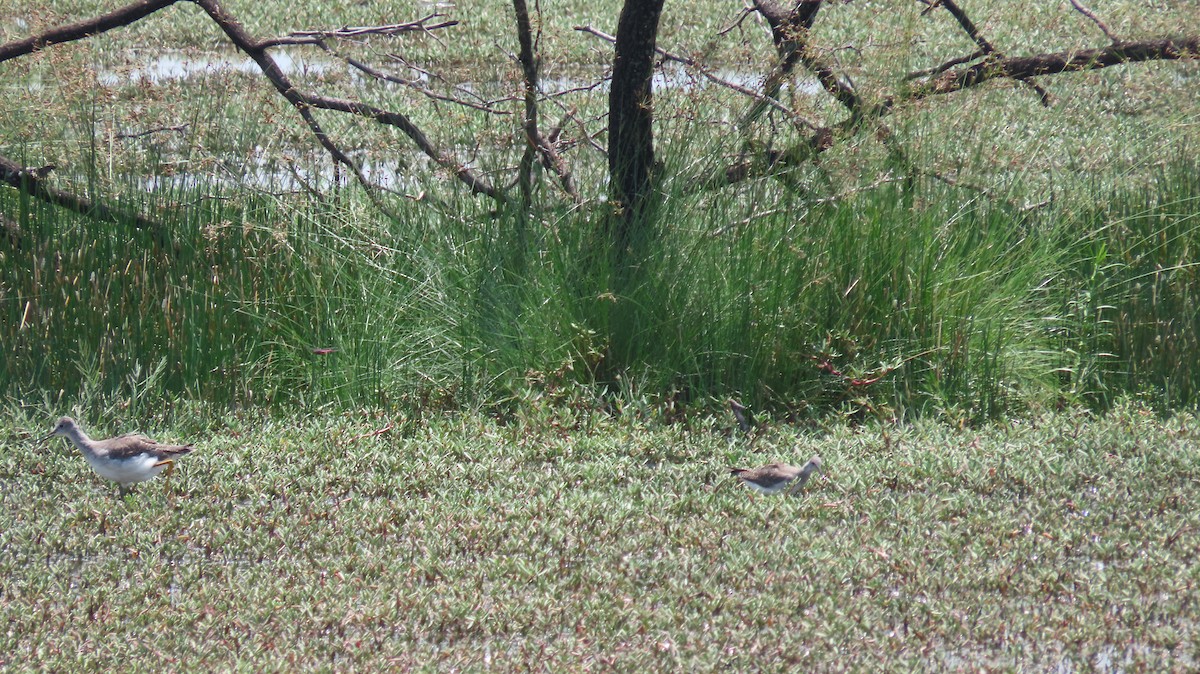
(127, 459)
(742, 413)
(775, 477)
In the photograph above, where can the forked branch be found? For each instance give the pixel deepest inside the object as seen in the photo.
(32, 181)
(303, 102)
(1021, 67)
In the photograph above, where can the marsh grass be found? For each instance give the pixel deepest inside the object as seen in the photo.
(616, 543)
(958, 304)
(1049, 262)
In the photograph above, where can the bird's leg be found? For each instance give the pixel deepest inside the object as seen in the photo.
(798, 486)
(167, 473)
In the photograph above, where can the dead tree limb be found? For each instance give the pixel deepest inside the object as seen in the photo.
(32, 182)
(1086, 11)
(789, 32)
(303, 102)
(257, 50)
(789, 29)
(985, 47)
(535, 144)
(709, 75)
(1020, 67)
(82, 29)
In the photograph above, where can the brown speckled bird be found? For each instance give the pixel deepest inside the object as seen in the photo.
(775, 477)
(127, 459)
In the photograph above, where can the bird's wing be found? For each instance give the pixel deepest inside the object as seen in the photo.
(769, 476)
(133, 444)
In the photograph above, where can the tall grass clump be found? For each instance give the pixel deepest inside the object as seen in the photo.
(904, 299)
(942, 305)
(253, 301)
(1134, 296)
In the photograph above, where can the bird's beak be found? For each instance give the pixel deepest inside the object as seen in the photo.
(48, 437)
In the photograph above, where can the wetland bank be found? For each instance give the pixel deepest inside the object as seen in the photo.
(439, 430)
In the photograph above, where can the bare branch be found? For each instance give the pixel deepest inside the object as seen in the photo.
(270, 68)
(588, 138)
(178, 128)
(84, 29)
(304, 102)
(535, 144)
(985, 47)
(481, 102)
(301, 37)
(371, 71)
(1083, 9)
(967, 25)
(737, 23)
(256, 49)
(789, 30)
(1021, 67)
(32, 181)
(708, 74)
(917, 74)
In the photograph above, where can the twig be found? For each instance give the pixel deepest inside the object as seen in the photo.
(1083, 9)
(703, 70)
(371, 434)
(746, 11)
(588, 138)
(302, 37)
(937, 70)
(435, 76)
(371, 71)
(179, 128)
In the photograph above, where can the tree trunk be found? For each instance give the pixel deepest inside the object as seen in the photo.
(630, 117)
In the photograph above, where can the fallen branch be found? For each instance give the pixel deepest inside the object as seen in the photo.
(1021, 67)
(83, 29)
(985, 47)
(302, 37)
(32, 181)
